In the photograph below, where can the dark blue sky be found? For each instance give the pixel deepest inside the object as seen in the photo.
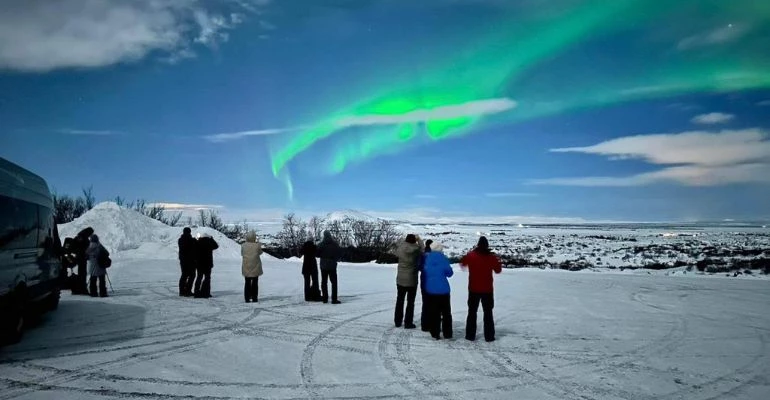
(649, 122)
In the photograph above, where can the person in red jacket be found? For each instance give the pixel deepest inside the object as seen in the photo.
(481, 262)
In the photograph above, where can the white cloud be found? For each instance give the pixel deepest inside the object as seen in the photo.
(697, 147)
(691, 175)
(510, 194)
(436, 216)
(693, 158)
(469, 109)
(712, 118)
(764, 103)
(723, 34)
(476, 108)
(425, 196)
(274, 217)
(84, 132)
(43, 35)
(184, 207)
(225, 137)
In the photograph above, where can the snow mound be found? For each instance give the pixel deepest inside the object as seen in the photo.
(129, 234)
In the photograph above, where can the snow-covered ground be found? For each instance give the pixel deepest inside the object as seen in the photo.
(561, 335)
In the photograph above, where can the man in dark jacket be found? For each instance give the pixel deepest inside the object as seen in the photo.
(204, 262)
(310, 271)
(79, 247)
(187, 256)
(329, 252)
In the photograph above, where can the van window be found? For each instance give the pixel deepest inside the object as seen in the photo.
(18, 224)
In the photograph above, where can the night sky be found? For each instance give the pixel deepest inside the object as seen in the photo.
(560, 110)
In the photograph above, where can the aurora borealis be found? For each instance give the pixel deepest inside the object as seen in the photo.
(528, 60)
(554, 110)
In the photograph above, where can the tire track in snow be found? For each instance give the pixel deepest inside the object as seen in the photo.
(307, 371)
(133, 358)
(718, 383)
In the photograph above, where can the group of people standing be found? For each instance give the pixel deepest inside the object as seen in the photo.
(420, 264)
(91, 259)
(196, 258)
(434, 269)
(196, 261)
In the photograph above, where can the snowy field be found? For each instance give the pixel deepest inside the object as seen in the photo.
(561, 335)
(593, 334)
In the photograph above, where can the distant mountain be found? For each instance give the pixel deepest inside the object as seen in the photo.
(357, 215)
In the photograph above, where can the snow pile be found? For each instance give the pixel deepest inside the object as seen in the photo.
(129, 234)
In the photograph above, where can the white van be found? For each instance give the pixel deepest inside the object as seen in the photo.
(30, 266)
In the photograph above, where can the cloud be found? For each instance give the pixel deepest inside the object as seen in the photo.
(691, 175)
(692, 158)
(684, 107)
(724, 34)
(226, 137)
(87, 132)
(764, 103)
(436, 216)
(469, 109)
(712, 118)
(510, 194)
(43, 35)
(425, 196)
(184, 207)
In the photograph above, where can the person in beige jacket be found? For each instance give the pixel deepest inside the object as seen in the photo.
(252, 266)
(409, 252)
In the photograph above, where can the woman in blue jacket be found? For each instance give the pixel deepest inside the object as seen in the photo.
(436, 270)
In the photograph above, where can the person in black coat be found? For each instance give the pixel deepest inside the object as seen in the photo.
(79, 247)
(329, 252)
(310, 271)
(204, 262)
(187, 256)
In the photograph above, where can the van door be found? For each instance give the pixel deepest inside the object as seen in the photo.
(18, 244)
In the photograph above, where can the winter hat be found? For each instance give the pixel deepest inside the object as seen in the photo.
(94, 238)
(410, 238)
(437, 247)
(186, 231)
(251, 236)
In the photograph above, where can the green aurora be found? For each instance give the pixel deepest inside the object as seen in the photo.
(507, 61)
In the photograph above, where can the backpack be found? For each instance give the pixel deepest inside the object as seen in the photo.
(104, 260)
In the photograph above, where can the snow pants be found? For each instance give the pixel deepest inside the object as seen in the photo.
(410, 293)
(440, 315)
(487, 301)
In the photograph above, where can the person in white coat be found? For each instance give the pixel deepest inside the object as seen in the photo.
(252, 266)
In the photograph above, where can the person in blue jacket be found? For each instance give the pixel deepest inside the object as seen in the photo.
(436, 271)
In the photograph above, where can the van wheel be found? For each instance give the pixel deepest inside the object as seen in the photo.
(14, 323)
